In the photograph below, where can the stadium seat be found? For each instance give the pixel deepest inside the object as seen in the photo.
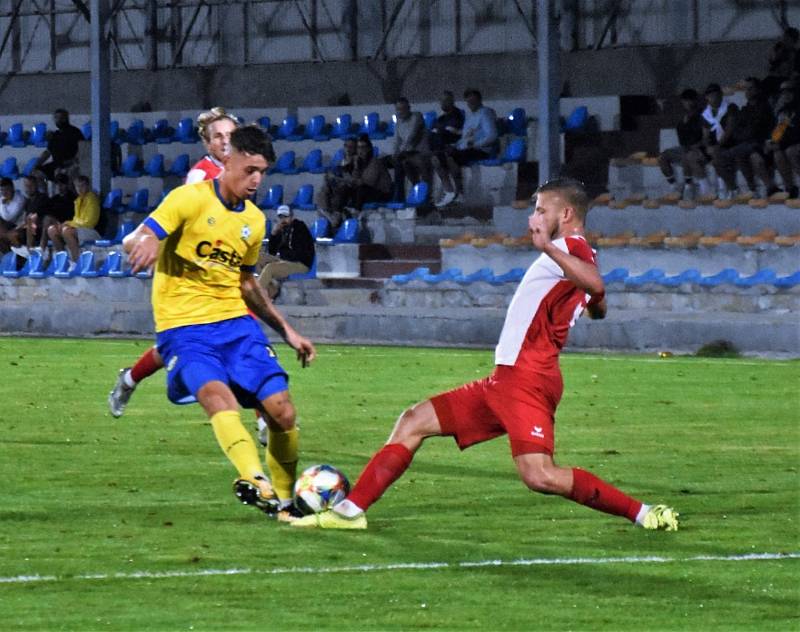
(312, 162)
(39, 135)
(37, 269)
(135, 135)
(317, 129)
(86, 130)
(139, 202)
(265, 123)
(162, 133)
(113, 266)
(762, 277)
(484, 274)
(155, 166)
(617, 275)
(304, 198)
(123, 230)
(577, 120)
(320, 228)
(515, 152)
(180, 166)
(186, 132)
(414, 275)
(692, 275)
(273, 198)
(518, 122)
(113, 201)
(300, 276)
(790, 280)
(335, 160)
(373, 127)
(288, 129)
(131, 166)
(343, 127)
(451, 274)
(62, 265)
(30, 166)
(9, 168)
(285, 164)
(348, 232)
(116, 134)
(8, 266)
(512, 276)
(654, 275)
(728, 275)
(417, 196)
(86, 265)
(16, 135)
(430, 119)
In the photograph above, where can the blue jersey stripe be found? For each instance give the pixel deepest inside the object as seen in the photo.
(248, 268)
(155, 227)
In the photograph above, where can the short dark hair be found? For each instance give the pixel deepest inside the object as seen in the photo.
(469, 92)
(60, 111)
(402, 100)
(689, 95)
(252, 140)
(573, 192)
(82, 178)
(6, 182)
(711, 88)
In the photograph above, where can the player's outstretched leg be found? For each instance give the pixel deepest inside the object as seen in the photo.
(147, 364)
(281, 455)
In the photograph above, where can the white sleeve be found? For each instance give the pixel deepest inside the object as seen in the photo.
(195, 175)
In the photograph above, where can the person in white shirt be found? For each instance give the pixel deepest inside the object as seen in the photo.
(12, 204)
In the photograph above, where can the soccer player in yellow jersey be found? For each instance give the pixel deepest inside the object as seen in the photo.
(214, 352)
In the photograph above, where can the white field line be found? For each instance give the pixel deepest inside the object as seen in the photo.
(400, 566)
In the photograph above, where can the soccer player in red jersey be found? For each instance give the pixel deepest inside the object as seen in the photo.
(214, 127)
(520, 398)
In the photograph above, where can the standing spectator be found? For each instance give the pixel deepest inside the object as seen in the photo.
(411, 154)
(783, 60)
(742, 146)
(34, 209)
(446, 131)
(478, 142)
(784, 142)
(61, 155)
(81, 227)
(689, 153)
(291, 250)
(11, 215)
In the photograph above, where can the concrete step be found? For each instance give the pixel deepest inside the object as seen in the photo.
(398, 251)
(385, 268)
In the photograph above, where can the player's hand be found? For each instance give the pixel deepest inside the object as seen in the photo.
(304, 348)
(539, 237)
(143, 253)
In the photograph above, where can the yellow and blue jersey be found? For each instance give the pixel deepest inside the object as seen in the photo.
(206, 245)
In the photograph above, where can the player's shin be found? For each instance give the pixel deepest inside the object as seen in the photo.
(281, 458)
(385, 467)
(237, 444)
(591, 491)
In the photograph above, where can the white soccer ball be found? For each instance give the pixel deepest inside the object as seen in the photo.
(320, 487)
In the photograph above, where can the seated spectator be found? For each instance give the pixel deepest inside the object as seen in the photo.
(742, 145)
(478, 142)
(81, 227)
(689, 153)
(12, 218)
(34, 209)
(291, 251)
(411, 155)
(369, 181)
(784, 142)
(61, 155)
(337, 178)
(446, 131)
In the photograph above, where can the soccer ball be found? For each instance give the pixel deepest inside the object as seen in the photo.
(320, 487)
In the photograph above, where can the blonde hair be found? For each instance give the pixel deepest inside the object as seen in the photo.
(205, 119)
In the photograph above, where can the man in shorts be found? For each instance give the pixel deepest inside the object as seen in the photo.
(215, 353)
(520, 398)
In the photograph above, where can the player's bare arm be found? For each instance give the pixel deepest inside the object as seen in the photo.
(259, 303)
(583, 274)
(142, 248)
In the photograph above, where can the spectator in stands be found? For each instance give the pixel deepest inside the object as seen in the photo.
(784, 142)
(783, 61)
(411, 155)
(336, 179)
(743, 143)
(478, 142)
(61, 155)
(690, 152)
(446, 131)
(291, 251)
(12, 217)
(34, 209)
(214, 128)
(369, 181)
(81, 227)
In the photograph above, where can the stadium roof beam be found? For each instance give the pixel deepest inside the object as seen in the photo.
(549, 61)
(11, 23)
(179, 50)
(392, 21)
(100, 98)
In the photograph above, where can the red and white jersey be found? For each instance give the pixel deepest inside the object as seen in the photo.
(207, 168)
(541, 312)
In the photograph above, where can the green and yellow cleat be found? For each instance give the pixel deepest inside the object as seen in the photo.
(331, 520)
(661, 517)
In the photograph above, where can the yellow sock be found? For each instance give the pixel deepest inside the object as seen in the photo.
(236, 443)
(282, 461)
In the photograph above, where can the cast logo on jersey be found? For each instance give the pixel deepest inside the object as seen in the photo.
(172, 362)
(245, 231)
(216, 252)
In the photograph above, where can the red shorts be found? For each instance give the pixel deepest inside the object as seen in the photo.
(492, 407)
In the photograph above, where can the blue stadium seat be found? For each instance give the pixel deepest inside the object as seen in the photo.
(288, 129)
(577, 120)
(430, 119)
(414, 275)
(335, 160)
(343, 127)
(517, 122)
(348, 232)
(692, 275)
(391, 126)
(180, 166)
(317, 129)
(512, 276)
(300, 276)
(162, 133)
(186, 132)
(654, 275)
(515, 152)
(8, 266)
(37, 270)
(265, 123)
(417, 196)
(139, 202)
(617, 275)
(484, 274)
(9, 168)
(131, 166)
(113, 201)
(86, 265)
(123, 230)
(304, 198)
(135, 134)
(285, 164)
(155, 166)
(16, 135)
(312, 162)
(62, 265)
(117, 135)
(762, 277)
(113, 266)
(320, 228)
(728, 275)
(86, 130)
(273, 199)
(30, 166)
(373, 127)
(39, 135)
(451, 274)
(790, 280)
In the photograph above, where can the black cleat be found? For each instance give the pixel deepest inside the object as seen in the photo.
(257, 493)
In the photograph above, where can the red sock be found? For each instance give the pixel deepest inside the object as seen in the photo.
(145, 366)
(593, 492)
(383, 469)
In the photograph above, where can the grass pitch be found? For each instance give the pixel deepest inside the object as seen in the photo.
(129, 524)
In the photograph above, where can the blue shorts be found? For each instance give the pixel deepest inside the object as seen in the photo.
(233, 351)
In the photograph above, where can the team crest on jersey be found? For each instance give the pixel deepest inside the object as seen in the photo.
(172, 362)
(245, 231)
(270, 351)
(211, 221)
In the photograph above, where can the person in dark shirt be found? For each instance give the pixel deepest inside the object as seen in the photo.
(784, 142)
(291, 251)
(689, 153)
(61, 207)
(36, 207)
(446, 131)
(742, 147)
(62, 148)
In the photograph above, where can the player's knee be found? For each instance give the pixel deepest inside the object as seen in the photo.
(540, 479)
(411, 425)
